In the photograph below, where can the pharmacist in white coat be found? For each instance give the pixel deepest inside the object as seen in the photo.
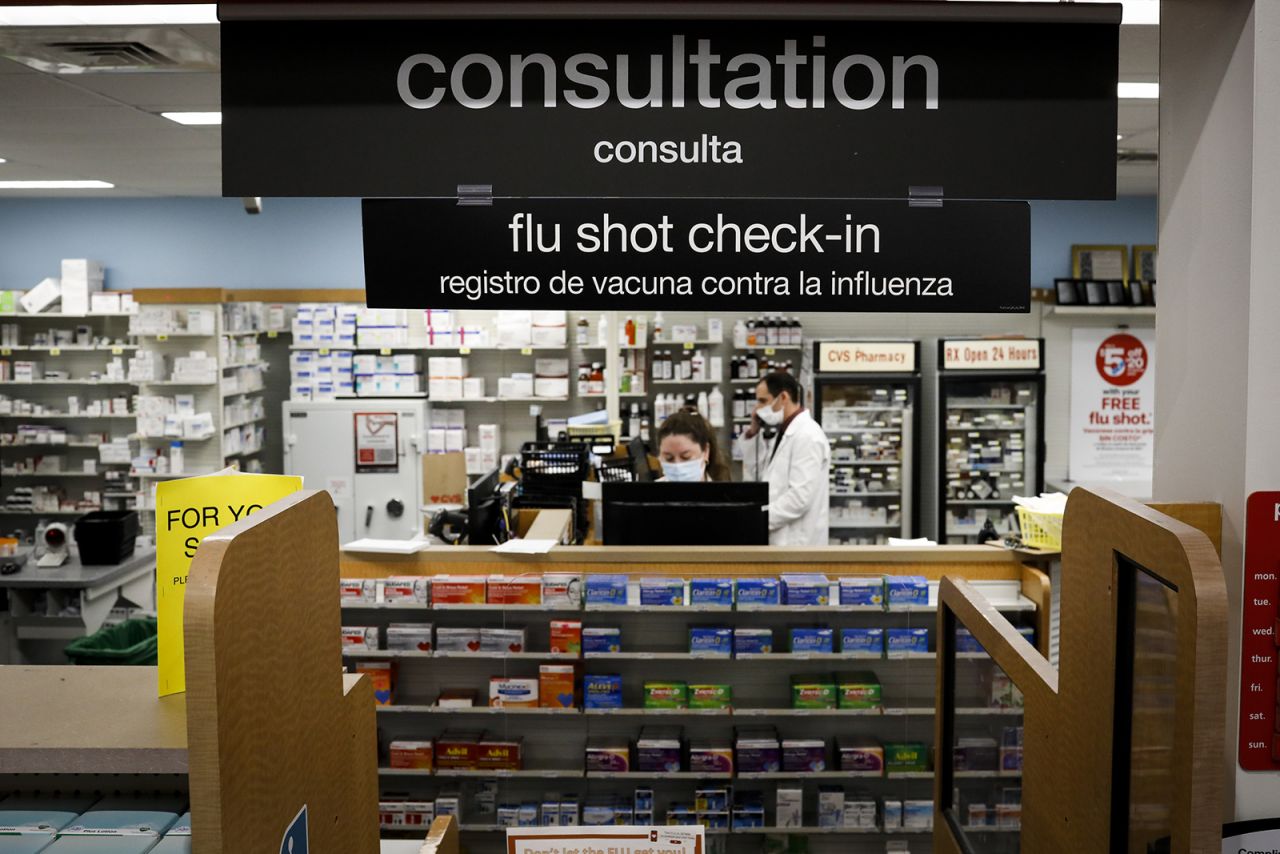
(796, 462)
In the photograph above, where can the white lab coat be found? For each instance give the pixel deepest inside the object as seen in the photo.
(798, 476)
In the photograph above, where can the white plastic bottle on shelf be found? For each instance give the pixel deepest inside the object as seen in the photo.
(739, 334)
(659, 324)
(715, 408)
(176, 461)
(698, 366)
(602, 331)
(704, 405)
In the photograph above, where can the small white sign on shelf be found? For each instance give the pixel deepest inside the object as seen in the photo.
(684, 839)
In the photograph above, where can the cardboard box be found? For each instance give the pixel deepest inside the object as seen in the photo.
(659, 749)
(444, 476)
(752, 641)
(458, 749)
(608, 753)
(711, 592)
(515, 590)
(601, 639)
(602, 691)
(790, 810)
(666, 695)
(905, 757)
(414, 637)
(382, 675)
(757, 750)
(513, 693)
(710, 756)
(862, 590)
(804, 755)
(858, 690)
(406, 590)
(863, 755)
(458, 589)
(862, 642)
(558, 686)
(566, 636)
(813, 692)
(411, 754)
(902, 643)
(500, 754)
(451, 639)
(41, 296)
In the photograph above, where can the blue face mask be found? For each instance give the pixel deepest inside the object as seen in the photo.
(688, 471)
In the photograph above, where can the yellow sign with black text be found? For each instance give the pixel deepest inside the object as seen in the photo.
(187, 511)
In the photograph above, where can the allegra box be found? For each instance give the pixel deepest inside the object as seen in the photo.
(858, 690)
(382, 675)
(458, 589)
(804, 755)
(710, 756)
(514, 590)
(411, 754)
(758, 750)
(608, 753)
(406, 590)
(863, 755)
(566, 637)
(513, 693)
(558, 686)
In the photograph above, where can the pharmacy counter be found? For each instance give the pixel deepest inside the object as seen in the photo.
(69, 601)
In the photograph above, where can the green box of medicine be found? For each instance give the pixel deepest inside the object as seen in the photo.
(902, 757)
(858, 690)
(709, 696)
(666, 695)
(813, 692)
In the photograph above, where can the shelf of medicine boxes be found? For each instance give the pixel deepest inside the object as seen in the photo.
(69, 355)
(1021, 603)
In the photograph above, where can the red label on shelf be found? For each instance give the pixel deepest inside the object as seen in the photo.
(1259, 717)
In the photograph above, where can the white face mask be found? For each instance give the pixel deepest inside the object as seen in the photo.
(688, 471)
(769, 416)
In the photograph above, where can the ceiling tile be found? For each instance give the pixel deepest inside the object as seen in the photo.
(168, 89)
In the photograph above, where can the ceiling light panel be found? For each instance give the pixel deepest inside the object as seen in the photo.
(176, 14)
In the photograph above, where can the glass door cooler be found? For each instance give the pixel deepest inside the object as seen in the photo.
(866, 397)
(991, 409)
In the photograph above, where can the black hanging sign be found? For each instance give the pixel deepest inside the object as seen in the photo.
(983, 109)
(698, 254)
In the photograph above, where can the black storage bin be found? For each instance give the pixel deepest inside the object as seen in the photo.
(106, 536)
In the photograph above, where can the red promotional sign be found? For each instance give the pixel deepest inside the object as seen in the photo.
(1122, 359)
(1259, 716)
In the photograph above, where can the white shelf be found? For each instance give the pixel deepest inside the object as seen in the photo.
(865, 495)
(392, 653)
(685, 382)
(639, 394)
(757, 348)
(70, 348)
(160, 336)
(474, 710)
(525, 773)
(415, 395)
(66, 416)
(697, 342)
(180, 383)
(235, 454)
(245, 392)
(1103, 310)
(16, 384)
(168, 475)
(138, 437)
(79, 474)
(950, 404)
(811, 609)
(952, 428)
(656, 609)
(589, 347)
(58, 315)
(242, 423)
(453, 400)
(867, 526)
(52, 445)
(839, 435)
(805, 713)
(251, 334)
(843, 464)
(445, 606)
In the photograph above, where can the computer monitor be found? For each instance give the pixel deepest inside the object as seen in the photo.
(685, 514)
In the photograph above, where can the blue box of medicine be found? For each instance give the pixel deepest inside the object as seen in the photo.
(966, 642)
(752, 641)
(711, 641)
(756, 591)
(812, 640)
(711, 591)
(48, 815)
(662, 591)
(601, 639)
(605, 590)
(602, 692)
(900, 643)
(902, 590)
(806, 590)
(862, 590)
(868, 642)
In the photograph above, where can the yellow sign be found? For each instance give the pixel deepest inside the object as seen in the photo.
(465, 351)
(273, 333)
(187, 511)
(162, 337)
(688, 345)
(55, 351)
(117, 351)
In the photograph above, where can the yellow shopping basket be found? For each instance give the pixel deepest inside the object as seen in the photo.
(1040, 530)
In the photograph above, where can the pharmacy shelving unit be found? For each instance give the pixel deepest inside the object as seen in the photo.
(991, 403)
(72, 483)
(241, 389)
(654, 647)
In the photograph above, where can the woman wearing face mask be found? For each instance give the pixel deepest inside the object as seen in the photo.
(688, 451)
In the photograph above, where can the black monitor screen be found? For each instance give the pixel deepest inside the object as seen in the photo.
(685, 514)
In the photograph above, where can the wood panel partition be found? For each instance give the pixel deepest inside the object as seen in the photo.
(1126, 569)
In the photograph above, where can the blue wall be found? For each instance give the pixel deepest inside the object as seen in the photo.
(298, 243)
